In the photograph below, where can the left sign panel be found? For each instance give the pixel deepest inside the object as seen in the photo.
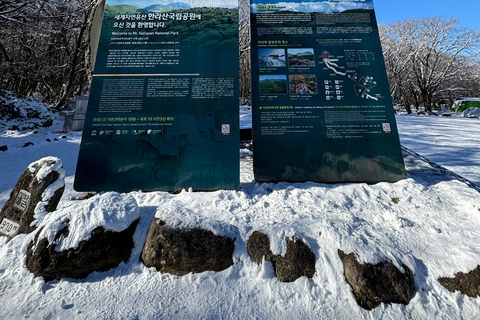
(163, 106)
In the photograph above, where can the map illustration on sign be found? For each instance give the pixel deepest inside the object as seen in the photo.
(326, 114)
(163, 107)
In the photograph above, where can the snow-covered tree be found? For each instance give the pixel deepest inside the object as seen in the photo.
(42, 44)
(245, 67)
(429, 60)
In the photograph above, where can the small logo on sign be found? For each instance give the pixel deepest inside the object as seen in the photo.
(22, 201)
(225, 129)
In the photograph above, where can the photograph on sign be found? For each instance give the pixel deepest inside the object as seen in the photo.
(271, 58)
(321, 103)
(164, 90)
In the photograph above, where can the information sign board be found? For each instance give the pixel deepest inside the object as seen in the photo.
(321, 102)
(163, 106)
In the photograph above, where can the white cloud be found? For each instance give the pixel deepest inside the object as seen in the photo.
(321, 7)
(192, 3)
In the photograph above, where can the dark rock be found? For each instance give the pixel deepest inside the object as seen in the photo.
(298, 261)
(47, 123)
(433, 114)
(28, 192)
(3, 148)
(48, 140)
(466, 283)
(245, 134)
(373, 284)
(27, 144)
(103, 251)
(421, 113)
(15, 127)
(246, 145)
(180, 251)
(258, 246)
(35, 132)
(63, 137)
(446, 115)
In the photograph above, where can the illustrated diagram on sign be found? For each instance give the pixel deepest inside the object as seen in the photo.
(331, 63)
(363, 85)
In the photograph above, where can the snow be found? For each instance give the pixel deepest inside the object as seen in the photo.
(24, 113)
(449, 141)
(111, 211)
(46, 168)
(472, 112)
(245, 117)
(432, 229)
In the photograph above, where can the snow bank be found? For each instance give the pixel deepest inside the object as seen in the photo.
(471, 113)
(45, 169)
(183, 213)
(24, 113)
(112, 211)
(42, 168)
(432, 227)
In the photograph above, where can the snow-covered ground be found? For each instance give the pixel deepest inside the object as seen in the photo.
(452, 142)
(432, 229)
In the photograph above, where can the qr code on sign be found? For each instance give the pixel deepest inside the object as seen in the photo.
(225, 129)
(22, 201)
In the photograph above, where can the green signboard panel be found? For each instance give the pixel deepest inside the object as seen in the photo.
(163, 106)
(321, 102)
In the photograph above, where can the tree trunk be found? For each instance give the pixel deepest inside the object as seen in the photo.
(70, 85)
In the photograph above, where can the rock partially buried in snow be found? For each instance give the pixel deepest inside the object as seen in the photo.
(93, 235)
(373, 284)
(298, 261)
(183, 250)
(258, 247)
(38, 191)
(466, 283)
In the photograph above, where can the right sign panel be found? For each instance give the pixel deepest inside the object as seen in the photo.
(322, 109)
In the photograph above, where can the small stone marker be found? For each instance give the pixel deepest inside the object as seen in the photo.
(9, 227)
(42, 182)
(22, 201)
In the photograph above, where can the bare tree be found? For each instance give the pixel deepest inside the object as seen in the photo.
(397, 65)
(42, 47)
(245, 38)
(426, 57)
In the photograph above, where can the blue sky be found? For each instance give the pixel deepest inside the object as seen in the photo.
(198, 3)
(387, 10)
(397, 10)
